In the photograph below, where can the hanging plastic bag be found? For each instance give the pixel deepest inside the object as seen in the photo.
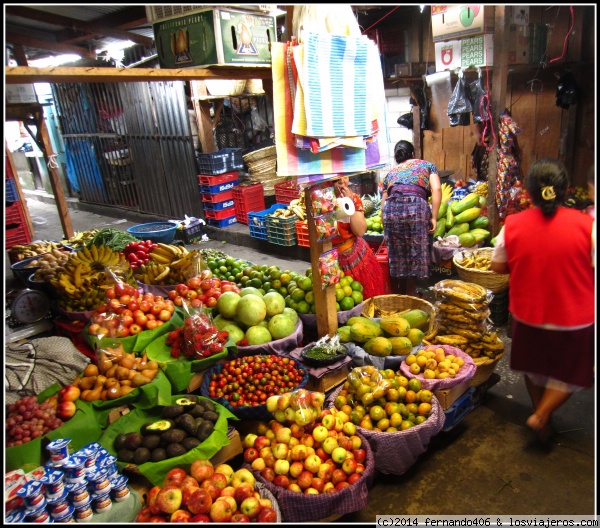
(424, 106)
(460, 107)
(479, 100)
(567, 91)
(406, 120)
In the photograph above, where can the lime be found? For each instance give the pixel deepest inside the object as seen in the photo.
(298, 294)
(347, 303)
(266, 285)
(247, 271)
(303, 307)
(347, 290)
(229, 261)
(221, 262)
(339, 294)
(305, 283)
(275, 274)
(294, 305)
(357, 297)
(231, 278)
(285, 278)
(310, 297)
(244, 280)
(255, 283)
(223, 269)
(276, 283)
(337, 307)
(211, 264)
(283, 290)
(313, 309)
(256, 275)
(288, 301)
(356, 286)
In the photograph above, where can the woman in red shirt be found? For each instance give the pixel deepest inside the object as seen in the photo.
(549, 252)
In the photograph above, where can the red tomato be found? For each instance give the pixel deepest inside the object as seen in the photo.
(135, 329)
(120, 288)
(193, 283)
(127, 311)
(114, 304)
(151, 325)
(164, 315)
(211, 302)
(141, 320)
(133, 305)
(132, 258)
(141, 254)
(110, 293)
(125, 299)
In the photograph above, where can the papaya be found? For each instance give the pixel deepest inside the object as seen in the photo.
(479, 234)
(471, 200)
(344, 333)
(442, 210)
(416, 318)
(416, 336)
(458, 229)
(361, 332)
(400, 346)
(449, 218)
(394, 325)
(482, 201)
(467, 239)
(481, 222)
(468, 215)
(378, 346)
(359, 319)
(440, 228)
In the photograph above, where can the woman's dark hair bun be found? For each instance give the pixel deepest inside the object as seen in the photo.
(403, 150)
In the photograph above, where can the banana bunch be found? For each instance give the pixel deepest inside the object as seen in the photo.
(168, 265)
(80, 239)
(298, 207)
(446, 192)
(23, 251)
(476, 260)
(85, 299)
(283, 212)
(461, 291)
(481, 189)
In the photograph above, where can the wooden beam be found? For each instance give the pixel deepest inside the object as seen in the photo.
(24, 74)
(203, 119)
(20, 55)
(32, 42)
(90, 28)
(13, 169)
(501, 38)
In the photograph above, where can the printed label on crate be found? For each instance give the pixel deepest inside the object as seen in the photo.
(218, 188)
(219, 205)
(218, 197)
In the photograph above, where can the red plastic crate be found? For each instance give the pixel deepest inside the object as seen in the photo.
(17, 235)
(302, 233)
(382, 258)
(14, 214)
(248, 198)
(286, 191)
(220, 215)
(218, 197)
(206, 179)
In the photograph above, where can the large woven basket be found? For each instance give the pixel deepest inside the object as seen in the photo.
(263, 165)
(256, 155)
(495, 282)
(485, 368)
(381, 305)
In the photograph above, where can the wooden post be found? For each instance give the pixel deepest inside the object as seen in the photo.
(13, 169)
(326, 312)
(57, 189)
(203, 119)
(498, 103)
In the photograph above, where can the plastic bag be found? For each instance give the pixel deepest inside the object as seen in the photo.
(323, 200)
(479, 100)
(424, 106)
(567, 91)
(258, 123)
(460, 107)
(406, 120)
(300, 406)
(329, 267)
(369, 375)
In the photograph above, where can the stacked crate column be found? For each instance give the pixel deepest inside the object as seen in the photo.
(218, 198)
(248, 198)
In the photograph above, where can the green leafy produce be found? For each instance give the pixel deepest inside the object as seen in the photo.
(115, 239)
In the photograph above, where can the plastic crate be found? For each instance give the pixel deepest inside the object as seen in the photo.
(187, 234)
(218, 206)
(383, 259)
(286, 191)
(11, 191)
(247, 199)
(499, 308)
(218, 197)
(207, 179)
(225, 222)
(219, 162)
(14, 214)
(302, 233)
(16, 235)
(220, 215)
(242, 210)
(257, 222)
(459, 409)
(282, 231)
(220, 188)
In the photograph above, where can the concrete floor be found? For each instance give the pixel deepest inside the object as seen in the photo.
(487, 464)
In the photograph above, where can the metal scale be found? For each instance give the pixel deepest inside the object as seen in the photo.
(27, 314)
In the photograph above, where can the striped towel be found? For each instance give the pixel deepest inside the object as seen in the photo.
(334, 85)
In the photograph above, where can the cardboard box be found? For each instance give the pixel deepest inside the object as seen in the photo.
(447, 397)
(457, 21)
(519, 15)
(411, 69)
(464, 53)
(330, 380)
(229, 451)
(20, 93)
(216, 36)
(519, 44)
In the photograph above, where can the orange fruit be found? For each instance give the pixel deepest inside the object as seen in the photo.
(424, 408)
(410, 397)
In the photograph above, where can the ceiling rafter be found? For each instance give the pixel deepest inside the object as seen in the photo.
(32, 42)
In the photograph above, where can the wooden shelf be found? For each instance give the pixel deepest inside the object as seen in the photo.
(217, 97)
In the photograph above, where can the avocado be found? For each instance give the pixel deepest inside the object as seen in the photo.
(144, 428)
(211, 416)
(119, 441)
(208, 405)
(197, 410)
(158, 455)
(175, 449)
(187, 423)
(189, 443)
(172, 411)
(125, 455)
(192, 397)
(133, 441)
(205, 430)
(198, 421)
(159, 426)
(185, 402)
(151, 441)
(141, 455)
(173, 436)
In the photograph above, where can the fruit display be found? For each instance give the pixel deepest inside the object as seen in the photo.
(80, 239)
(208, 493)
(225, 267)
(182, 426)
(23, 251)
(249, 381)
(138, 252)
(480, 260)
(300, 406)
(125, 311)
(325, 457)
(169, 265)
(383, 400)
(325, 351)
(26, 419)
(463, 309)
(391, 335)
(578, 197)
(200, 291)
(253, 319)
(49, 265)
(198, 338)
(433, 363)
(116, 375)
(86, 278)
(465, 218)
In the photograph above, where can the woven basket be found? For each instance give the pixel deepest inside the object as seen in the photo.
(485, 368)
(225, 86)
(397, 303)
(259, 154)
(495, 282)
(262, 166)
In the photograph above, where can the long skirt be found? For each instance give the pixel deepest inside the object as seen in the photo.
(406, 225)
(360, 262)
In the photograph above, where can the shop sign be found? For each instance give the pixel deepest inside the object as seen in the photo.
(457, 21)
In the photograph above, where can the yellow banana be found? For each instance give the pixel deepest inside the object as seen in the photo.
(103, 253)
(167, 247)
(94, 252)
(85, 251)
(181, 263)
(160, 258)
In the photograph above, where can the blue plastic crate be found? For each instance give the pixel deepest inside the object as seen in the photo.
(257, 221)
(225, 222)
(11, 191)
(224, 160)
(219, 206)
(459, 409)
(221, 187)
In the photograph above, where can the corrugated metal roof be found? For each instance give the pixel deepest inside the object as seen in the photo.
(86, 13)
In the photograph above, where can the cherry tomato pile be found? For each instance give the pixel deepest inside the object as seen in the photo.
(250, 380)
(127, 312)
(138, 253)
(201, 291)
(198, 338)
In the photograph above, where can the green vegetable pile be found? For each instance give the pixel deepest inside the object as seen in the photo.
(326, 348)
(115, 239)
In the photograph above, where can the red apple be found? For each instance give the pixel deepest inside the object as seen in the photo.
(318, 484)
(341, 485)
(66, 410)
(151, 498)
(240, 517)
(258, 464)
(310, 491)
(265, 503)
(202, 470)
(250, 507)
(200, 518)
(144, 515)
(360, 468)
(69, 393)
(157, 519)
(296, 468)
(242, 475)
(282, 481)
(169, 499)
(329, 487)
(359, 455)
(220, 480)
(250, 454)
(200, 501)
(230, 500)
(175, 477)
(228, 491)
(243, 491)
(294, 487)
(226, 470)
(189, 482)
(338, 476)
(304, 480)
(260, 442)
(267, 515)
(180, 516)
(349, 466)
(186, 495)
(268, 474)
(221, 511)
(213, 490)
(325, 472)
(353, 478)
(321, 454)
